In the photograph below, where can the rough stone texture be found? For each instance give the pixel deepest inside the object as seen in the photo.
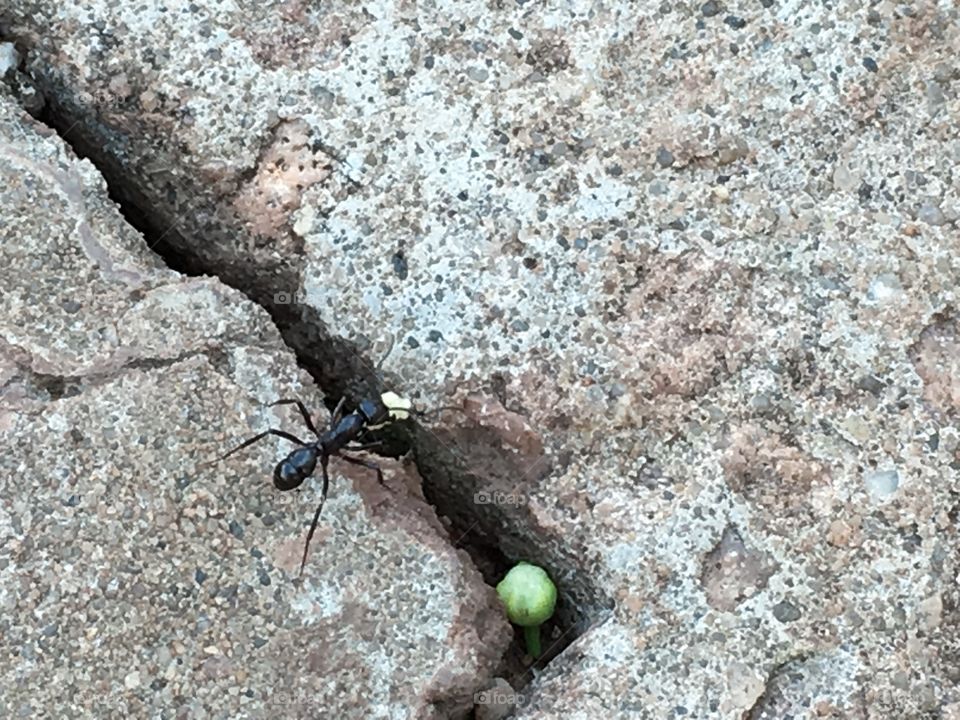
(136, 582)
(705, 259)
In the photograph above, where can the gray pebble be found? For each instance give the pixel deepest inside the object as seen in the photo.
(709, 9)
(786, 612)
(931, 215)
(664, 157)
(478, 74)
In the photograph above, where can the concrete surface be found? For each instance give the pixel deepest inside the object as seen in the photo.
(698, 262)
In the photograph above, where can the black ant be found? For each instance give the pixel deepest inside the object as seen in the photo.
(344, 429)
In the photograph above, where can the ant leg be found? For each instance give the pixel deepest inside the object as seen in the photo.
(316, 515)
(303, 412)
(367, 464)
(255, 438)
(424, 414)
(337, 413)
(393, 339)
(365, 446)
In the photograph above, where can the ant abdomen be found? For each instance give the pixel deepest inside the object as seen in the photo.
(297, 467)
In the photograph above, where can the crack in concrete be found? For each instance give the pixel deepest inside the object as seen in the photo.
(60, 387)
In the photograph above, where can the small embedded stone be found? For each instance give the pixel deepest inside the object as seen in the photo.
(709, 9)
(785, 611)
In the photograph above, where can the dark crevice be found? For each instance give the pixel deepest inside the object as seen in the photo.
(338, 368)
(27, 383)
(159, 237)
(495, 537)
(774, 701)
(498, 534)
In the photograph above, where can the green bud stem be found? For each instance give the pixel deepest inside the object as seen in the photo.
(531, 635)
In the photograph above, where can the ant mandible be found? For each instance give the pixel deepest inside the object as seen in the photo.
(344, 429)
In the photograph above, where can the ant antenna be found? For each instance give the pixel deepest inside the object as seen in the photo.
(404, 405)
(393, 341)
(424, 414)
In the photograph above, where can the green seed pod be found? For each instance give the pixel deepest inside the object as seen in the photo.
(530, 598)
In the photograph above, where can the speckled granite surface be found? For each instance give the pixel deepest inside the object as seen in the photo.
(705, 254)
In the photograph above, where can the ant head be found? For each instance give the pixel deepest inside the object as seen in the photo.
(297, 467)
(375, 412)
